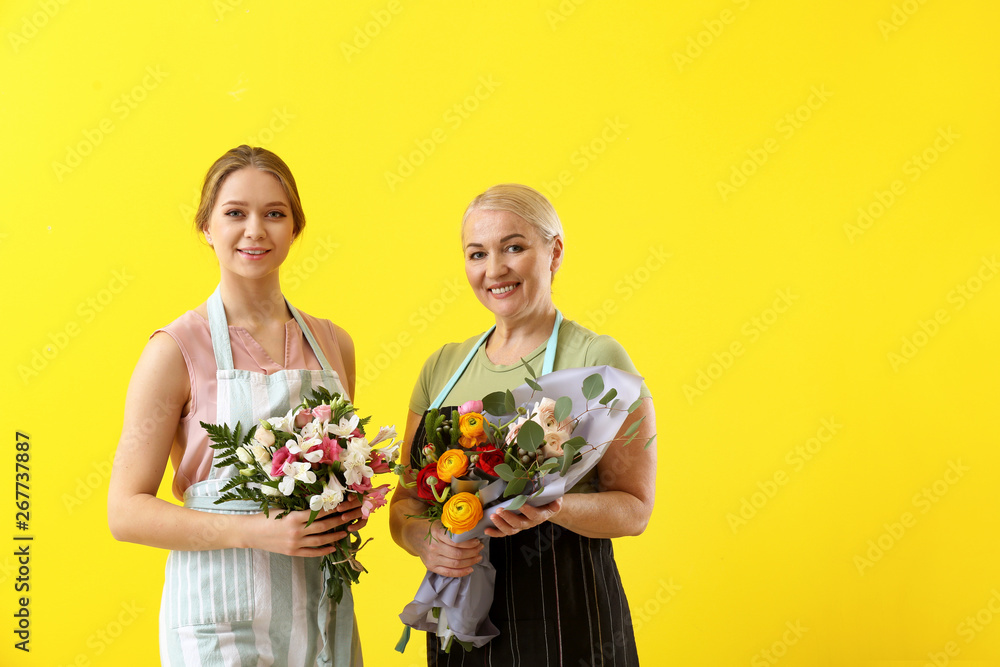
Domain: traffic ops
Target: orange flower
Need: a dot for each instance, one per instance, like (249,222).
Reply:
(461,513)
(471,426)
(453,463)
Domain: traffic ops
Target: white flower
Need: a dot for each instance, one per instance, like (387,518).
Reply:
(244,455)
(356,467)
(287,485)
(344,428)
(312,430)
(359,445)
(384,433)
(315,455)
(261,454)
(264,436)
(333,495)
(269,490)
(301,471)
(282,423)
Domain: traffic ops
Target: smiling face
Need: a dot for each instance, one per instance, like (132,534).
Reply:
(250,226)
(509,265)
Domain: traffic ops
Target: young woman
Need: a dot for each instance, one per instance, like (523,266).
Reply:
(240,588)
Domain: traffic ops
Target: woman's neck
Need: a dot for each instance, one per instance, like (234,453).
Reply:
(515,339)
(254,305)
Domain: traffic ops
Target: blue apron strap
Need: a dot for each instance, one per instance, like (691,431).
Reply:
(219,328)
(547,365)
(550,347)
(461,369)
(324,364)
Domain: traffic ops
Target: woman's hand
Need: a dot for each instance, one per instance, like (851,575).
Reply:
(510,523)
(442,555)
(291,536)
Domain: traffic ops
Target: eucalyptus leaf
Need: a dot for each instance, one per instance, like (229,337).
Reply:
(530,437)
(608,396)
(517,503)
(649,442)
(515,487)
(531,383)
(593,385)
(494,404)
(633,427)
(569,453)
(509,403)
(531,371)
(504,472)
(635,406)
(564,407)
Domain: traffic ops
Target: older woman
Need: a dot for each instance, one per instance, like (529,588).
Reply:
(558,596)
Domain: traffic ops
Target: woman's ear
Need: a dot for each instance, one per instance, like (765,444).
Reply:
(557,254)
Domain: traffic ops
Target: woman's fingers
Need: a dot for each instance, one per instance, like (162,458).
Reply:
(510,523)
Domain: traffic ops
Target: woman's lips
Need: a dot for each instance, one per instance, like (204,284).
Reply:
(504,291)
(253,253)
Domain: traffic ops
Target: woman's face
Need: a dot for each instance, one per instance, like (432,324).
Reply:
(251,226)
(509,265)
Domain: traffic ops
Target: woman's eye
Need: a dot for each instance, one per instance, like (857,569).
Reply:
(275,214)
(234,213)
(477,255)
(514,248)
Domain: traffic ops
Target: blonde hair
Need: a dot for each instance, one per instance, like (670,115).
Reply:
(528,203)
(239,158)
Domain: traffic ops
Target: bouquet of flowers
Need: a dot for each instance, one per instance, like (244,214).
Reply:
(314,458)
(530,445)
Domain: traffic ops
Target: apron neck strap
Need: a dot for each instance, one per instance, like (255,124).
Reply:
(219,327)
(547,365)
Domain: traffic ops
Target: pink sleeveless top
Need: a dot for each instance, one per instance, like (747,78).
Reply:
(191,454)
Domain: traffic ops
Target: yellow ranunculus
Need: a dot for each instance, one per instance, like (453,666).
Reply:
(453,463)
(461,513)
(471,426)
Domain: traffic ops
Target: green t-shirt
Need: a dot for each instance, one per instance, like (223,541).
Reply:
(577,348)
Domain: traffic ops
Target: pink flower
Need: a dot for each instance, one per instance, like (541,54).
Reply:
(331,450)
(470,406)
(379,464)
(280,458)
(364,485)
(322,412)
(373,500)
(303,417)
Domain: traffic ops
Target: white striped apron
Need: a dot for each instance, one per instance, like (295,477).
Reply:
(248,607)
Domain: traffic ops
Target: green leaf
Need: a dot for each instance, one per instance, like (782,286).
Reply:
(530,437)
(504,472)
(593,385)
(608,396)
(531,371)
(635,406)
(534,385)
(564,407)
(649,442)
(514,487)
(495,404)
(633,427)
(612,404)
(570,449)
(509,403)
(517,503)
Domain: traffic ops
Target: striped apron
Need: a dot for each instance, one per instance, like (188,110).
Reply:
(248,607)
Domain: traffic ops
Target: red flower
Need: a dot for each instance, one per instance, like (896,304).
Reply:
(423,485)
(489,458)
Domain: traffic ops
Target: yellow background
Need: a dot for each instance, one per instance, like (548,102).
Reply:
(630,115)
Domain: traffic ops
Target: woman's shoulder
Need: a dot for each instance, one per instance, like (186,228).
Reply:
(319,326)
(595,348)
